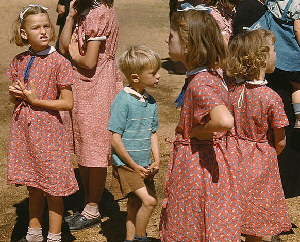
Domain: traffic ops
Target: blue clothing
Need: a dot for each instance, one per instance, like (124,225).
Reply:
(286,47)
(135,121)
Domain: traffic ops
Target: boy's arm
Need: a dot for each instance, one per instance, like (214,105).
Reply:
(297,30)
(154,167)
(121,151)
(279,139)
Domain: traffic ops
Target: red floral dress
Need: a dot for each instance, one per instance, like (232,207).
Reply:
(38,154)
(96,89)
(258,110)
(201,197)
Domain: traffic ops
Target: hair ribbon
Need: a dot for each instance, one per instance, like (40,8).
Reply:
(29,7)
(188,6)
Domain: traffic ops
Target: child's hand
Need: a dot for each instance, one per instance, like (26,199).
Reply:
(74,49)
(18,90)
(72,11)
(60,9)
(143,172)
(153,169)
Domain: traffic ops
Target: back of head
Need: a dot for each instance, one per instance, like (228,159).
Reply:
(200,35)
(81,5)
(248,53)
(136,58)
(20,23)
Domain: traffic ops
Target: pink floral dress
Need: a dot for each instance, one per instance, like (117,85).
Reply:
(201,196)
(96,89)
(257,110)
(38,154)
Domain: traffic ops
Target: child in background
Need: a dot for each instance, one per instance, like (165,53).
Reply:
(92,47)
(133,123)
(201,197)
(260,134)
(38,156)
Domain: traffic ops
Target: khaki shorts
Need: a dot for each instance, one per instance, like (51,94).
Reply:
(126,181)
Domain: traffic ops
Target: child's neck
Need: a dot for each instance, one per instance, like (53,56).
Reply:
(137,88)
(262,75)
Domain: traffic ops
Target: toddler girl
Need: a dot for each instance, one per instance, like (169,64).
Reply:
(201,200)
(38,156)
(259,132)
(92,47)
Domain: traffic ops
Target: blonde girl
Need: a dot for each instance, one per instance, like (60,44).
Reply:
(259,134)
(38,156)
(201,200)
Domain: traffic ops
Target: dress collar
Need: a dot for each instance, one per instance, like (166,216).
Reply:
(196,71)
(47,51)
(141,97)
(252,82)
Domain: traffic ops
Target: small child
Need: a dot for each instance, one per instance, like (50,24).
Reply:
(38,154)
(201,197)
(134,122)
(260,123)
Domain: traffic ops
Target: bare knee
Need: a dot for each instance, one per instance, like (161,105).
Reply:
(149,201)
(33,192)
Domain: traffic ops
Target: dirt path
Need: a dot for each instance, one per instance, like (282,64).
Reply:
(141,22)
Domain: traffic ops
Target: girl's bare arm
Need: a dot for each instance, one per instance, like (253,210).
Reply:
(297,30)
(279,139)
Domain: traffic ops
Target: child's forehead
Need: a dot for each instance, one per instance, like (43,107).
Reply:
(37,18)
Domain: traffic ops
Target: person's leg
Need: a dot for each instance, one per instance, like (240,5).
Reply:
(133,205)
(252,238)
(296,102)
(84,176)
(56,208)
(36,211)
(144,213)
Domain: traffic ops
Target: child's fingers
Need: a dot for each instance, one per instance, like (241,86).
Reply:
(21,85)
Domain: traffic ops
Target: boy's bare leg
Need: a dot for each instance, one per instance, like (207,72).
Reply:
(133,205)
(145,211)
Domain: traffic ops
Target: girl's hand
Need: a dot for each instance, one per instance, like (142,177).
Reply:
(19,91)
(60,9)
(72,11)
(143,172)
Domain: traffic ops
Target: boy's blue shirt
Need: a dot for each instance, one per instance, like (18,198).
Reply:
(135,121)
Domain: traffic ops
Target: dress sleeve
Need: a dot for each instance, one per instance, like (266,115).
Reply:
(205,98)
(97,24)
(155,120)
(276,113)
(118,117)
(66,74)
(12,71)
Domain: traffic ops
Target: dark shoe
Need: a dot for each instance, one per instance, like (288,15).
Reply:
(80,222)
(23,239)
(140,239)
(71,216)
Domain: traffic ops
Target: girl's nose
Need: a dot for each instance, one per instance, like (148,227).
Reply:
(43,31)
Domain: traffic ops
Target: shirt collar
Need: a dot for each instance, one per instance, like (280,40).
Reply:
(141,97)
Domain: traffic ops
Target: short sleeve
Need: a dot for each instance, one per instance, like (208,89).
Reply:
(205,98)
(12,71)
(276,113)
(66,74)
(295,9)
(97,24)
(118,117)
(155,120)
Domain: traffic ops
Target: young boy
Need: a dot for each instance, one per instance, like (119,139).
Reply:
(133,123)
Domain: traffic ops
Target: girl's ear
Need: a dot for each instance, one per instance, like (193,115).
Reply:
(23,34)
(135,78)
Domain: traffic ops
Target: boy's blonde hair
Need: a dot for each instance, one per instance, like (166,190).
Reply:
(248,53)
(21,21)
(200,34)
(136,58)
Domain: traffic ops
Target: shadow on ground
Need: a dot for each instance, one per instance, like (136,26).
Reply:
(110,209)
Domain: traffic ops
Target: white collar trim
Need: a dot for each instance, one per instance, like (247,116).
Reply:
(140,97)
(47,51)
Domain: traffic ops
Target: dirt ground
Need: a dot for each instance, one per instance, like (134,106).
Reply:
(141,22)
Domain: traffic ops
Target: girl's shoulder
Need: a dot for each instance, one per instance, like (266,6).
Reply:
(206,78)
(21,56)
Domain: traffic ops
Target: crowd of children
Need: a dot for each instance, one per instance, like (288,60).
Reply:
(222,179)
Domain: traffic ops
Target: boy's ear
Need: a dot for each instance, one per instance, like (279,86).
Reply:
(135,77)
(23,34)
